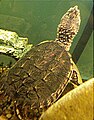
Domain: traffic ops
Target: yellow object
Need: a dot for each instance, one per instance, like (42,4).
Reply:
(75,105)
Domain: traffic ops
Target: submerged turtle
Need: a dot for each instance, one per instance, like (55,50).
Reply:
(39,78)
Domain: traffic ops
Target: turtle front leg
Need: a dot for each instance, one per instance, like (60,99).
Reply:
(75,77)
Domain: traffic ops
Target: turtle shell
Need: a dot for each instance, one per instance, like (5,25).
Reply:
(37,80)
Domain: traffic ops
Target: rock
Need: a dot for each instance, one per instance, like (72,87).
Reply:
(75,105)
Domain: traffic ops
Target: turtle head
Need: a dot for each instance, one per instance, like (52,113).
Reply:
(68,27)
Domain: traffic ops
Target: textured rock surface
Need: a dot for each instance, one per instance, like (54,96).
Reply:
(76,105)
(13,45)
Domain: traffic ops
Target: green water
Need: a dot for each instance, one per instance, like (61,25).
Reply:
(38,20)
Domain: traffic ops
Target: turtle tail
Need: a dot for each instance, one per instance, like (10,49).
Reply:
(68,27)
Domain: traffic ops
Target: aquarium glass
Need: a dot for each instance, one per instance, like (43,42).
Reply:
(38,20)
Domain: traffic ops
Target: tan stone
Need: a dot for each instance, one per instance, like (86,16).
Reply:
(75,105)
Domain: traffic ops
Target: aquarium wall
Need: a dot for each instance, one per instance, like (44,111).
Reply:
(37,20)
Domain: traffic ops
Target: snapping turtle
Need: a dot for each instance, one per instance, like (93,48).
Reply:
(39,78)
